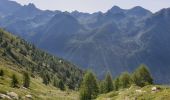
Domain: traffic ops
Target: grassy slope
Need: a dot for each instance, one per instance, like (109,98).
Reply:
(36,61)
(38,90)
(132,94)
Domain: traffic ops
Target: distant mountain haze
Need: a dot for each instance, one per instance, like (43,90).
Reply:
(117,40)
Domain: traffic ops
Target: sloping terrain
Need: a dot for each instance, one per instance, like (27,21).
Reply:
(36,91)
(137,93)
(37,62)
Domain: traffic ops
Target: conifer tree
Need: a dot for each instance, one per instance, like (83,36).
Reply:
(108,83)
(61,85)
(102,87)
(142,76)
(1,72)
(55,82)
(14,82)
(89,87)
(116,84)
(125,80)
(26,80)
(46,78)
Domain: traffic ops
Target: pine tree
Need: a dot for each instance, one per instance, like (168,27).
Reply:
(116,84)
(125,80)
(46,78)
(55,82)
(26,80)
(102,87)
(108,83)
(89,87)
(1,72)
(14,82)
(142,76)
(61,85)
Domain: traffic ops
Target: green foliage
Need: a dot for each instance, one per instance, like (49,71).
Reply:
(142,76)
(55,82)
(37,89)
(102,87)
(34,60)
(108,83)
(144,93)
(125,80)
(116,84)
(14,81)
(26,80)
(89,87)
(46,78)
(61,85)
(1,72)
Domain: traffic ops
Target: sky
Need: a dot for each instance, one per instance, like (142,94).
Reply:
(91,6)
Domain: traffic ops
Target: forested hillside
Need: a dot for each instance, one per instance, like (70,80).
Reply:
(27,57)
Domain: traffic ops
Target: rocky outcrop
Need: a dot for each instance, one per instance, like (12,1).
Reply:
(29,96)
(13,95)
(6,97)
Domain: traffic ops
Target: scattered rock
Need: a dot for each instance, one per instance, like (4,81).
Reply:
(24,88)
(140,91)
(126,98)
(13,95)
(155,89)
(60,61)
(28,96)
(3,96)
(108,99)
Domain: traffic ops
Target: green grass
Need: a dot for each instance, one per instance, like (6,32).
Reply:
(132,94)
(38,90)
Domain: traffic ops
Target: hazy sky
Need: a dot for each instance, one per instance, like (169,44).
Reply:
(96,5)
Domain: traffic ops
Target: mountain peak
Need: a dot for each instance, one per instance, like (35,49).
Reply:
(139,11)
(139,8)
(163,13)
(31,5)
(115,9)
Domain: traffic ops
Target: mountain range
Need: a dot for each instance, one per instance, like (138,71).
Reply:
(117,40)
